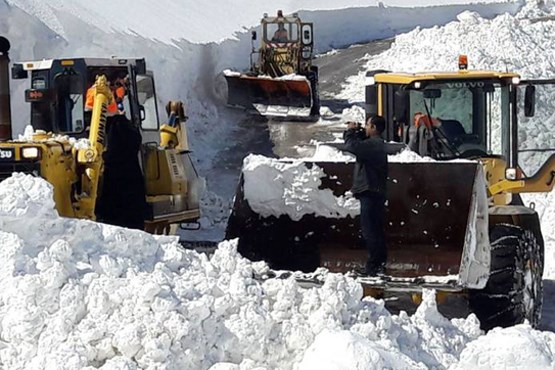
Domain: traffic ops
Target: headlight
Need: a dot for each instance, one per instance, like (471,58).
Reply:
(515,80)
(30,152)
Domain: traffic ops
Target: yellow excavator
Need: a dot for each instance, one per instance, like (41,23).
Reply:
(455,222)
(281,82)
(120,168)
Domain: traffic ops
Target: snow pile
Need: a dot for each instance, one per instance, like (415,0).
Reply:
(519,347)
(523,46)
(78,294)
(274,187)
(292,186)
(25,196)
(328,153)
(29,136)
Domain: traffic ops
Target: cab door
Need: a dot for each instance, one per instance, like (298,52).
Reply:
(533,140)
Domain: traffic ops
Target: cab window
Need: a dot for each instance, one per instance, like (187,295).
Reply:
(281,32)
(147,101)
(69,105)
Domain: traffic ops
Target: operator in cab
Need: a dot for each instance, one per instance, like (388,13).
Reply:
(118,88)
(281,34)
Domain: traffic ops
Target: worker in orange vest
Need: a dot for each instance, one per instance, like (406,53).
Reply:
(116,105)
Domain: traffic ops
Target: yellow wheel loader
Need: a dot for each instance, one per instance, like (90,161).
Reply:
(455,223)
(281,82)
(115,166)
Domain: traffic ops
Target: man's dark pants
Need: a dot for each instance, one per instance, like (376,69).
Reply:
(372,214)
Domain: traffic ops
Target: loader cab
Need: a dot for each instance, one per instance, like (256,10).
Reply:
(445,115)
(58,92)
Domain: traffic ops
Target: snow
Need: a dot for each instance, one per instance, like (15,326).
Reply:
(345,350)
(78,294)
(519,347)
(45,137)
(182,20)
(275,187)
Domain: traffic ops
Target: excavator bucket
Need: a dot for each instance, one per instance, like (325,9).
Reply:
(270,96)
(299,216)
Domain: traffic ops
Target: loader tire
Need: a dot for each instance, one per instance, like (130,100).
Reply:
(514,291)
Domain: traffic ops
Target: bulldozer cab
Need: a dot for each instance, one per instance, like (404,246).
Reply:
(286,45)
(58,92)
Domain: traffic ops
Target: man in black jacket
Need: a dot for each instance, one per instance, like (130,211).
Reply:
(369,186)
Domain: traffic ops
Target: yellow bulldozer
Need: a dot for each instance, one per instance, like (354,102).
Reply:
(120,168)
(455,222)
(281,82)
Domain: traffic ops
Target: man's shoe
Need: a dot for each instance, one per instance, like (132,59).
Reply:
(377,271)
(359,271)
(372,271)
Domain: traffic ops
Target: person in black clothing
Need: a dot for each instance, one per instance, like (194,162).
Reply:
(369,186)
(122,198)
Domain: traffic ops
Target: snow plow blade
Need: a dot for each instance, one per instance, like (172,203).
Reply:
(270,96)
(436,219)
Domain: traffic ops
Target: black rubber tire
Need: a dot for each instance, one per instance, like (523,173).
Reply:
(514,291)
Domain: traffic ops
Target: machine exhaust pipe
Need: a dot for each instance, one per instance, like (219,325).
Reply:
(5,111)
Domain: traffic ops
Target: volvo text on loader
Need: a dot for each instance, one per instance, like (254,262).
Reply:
(128,171)
(281,82)
(460,226)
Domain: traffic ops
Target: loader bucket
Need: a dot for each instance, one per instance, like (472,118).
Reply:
(270,96)
(434,218)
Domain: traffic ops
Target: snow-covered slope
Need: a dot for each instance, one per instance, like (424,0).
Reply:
(76,294)
(168,21)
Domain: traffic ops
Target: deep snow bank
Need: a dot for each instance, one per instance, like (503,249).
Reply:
(188,19)
(78,294)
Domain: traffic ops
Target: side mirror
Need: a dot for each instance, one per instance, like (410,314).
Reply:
(253,35)
(371,101)
(530,101)
(401,101)
(141,66)
(432,93)
(18,73)
(4,45)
